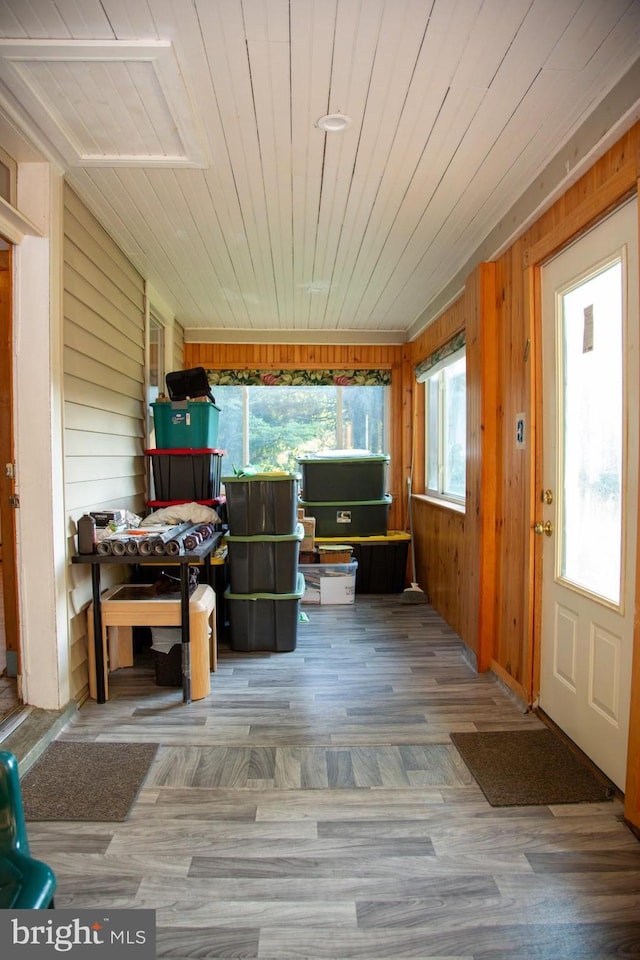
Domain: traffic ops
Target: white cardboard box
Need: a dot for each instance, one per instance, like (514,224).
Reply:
(329,583)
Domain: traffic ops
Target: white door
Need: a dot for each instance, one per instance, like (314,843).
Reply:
(588,505)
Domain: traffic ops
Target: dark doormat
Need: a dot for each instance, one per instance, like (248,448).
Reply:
(86,781)
(518,768)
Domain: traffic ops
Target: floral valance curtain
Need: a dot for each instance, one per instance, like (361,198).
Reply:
(299,378)
(425,367)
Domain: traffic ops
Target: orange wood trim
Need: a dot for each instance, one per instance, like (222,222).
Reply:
(7,455)
(593,207)
(632,791)
(508,680)
(486,304)
(533,552)
(243,356)
(533,285)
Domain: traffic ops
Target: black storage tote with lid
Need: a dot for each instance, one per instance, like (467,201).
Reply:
(259,503)
(333,475)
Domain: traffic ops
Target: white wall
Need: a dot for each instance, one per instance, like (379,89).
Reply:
(41,555)
(104,428)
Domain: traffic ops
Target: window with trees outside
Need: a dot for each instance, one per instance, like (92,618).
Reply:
(155,372)
(269,424)
(446,427)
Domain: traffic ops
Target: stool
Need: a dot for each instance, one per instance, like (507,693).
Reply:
(154,611)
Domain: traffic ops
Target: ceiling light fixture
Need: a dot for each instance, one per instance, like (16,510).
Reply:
(334,122)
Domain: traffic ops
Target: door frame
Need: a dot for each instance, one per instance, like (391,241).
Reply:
(7,483)
(534,257)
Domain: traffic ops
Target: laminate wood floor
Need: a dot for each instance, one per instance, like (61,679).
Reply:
(314,807)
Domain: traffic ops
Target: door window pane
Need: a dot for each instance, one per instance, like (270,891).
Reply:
(592,434)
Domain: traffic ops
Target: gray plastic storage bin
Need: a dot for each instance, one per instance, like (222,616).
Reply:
(264,621)
(357,518)
(343,477)
(262,503)
(266,563)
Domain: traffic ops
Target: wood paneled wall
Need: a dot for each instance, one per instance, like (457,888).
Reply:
(608,183)
(240,356)
(455,549)
(480,569)
(104,396)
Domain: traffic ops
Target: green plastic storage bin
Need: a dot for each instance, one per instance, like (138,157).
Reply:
(266,563)
(264,621)
(262,503)
(355,518)
(185,424)
(342,477)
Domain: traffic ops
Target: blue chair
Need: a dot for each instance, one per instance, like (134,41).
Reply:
(25,883)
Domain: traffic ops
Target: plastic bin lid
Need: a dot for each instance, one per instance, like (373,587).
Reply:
(378,539)
(189,383)
(184,451)
(329,569)
(338,456)
(273,475)
(268,537)
(344,503)
(300,589)
(217,501)
(169,404)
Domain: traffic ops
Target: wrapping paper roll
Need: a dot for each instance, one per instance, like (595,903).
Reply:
(145,547)
(172,542)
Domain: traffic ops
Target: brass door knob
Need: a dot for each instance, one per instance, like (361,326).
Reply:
(541,528)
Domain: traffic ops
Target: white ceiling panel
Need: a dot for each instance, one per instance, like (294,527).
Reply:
(119,102)
(190,129)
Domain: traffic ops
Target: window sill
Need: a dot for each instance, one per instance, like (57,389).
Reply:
(442,504)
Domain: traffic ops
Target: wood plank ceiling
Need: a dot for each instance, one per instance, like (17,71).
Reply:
(190,128)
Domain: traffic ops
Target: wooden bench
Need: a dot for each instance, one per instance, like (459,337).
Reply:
(124,613)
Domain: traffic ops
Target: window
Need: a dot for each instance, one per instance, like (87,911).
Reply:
(8,177)
(155,381)
(269,426)
(446,427)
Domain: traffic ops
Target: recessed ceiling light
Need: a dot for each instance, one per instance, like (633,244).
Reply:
(334,122)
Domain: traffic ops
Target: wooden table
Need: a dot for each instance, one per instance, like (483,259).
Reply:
(201,555)
(130,605)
